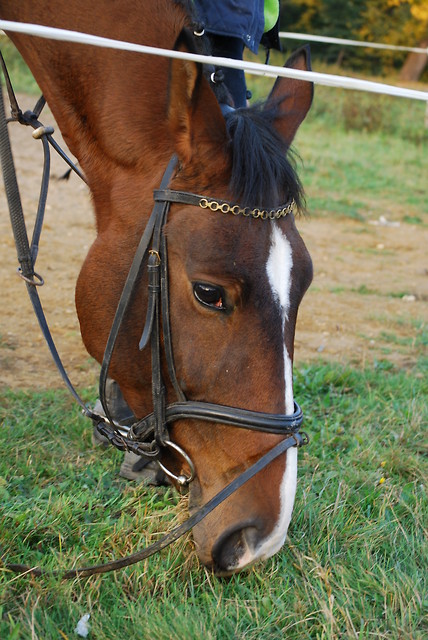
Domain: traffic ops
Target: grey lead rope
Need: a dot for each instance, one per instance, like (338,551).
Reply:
(24,251)
(13,198)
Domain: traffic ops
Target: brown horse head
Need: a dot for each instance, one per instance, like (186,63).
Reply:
(235,281)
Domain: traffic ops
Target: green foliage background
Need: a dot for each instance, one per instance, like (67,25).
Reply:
(395,22)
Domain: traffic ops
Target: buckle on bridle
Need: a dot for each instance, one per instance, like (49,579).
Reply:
(301,438)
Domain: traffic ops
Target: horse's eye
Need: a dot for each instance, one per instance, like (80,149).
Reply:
(209,295)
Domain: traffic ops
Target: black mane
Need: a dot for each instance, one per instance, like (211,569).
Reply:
(262,174)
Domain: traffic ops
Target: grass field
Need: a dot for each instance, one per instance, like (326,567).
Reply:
(354,564)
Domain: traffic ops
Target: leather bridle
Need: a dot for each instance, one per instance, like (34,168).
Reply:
(149,436)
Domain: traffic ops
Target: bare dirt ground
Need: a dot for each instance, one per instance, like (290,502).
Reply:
(368,300)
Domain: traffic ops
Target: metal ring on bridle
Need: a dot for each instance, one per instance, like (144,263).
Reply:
(35,283)
(181,479)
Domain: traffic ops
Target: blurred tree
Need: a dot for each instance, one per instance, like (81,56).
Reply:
(397,22)
(416,62)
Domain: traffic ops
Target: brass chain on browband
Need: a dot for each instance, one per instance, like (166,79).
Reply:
(223,206)
(236,209)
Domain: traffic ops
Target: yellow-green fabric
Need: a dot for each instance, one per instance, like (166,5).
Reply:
(271,14)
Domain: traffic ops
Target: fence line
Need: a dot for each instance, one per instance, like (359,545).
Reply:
(254,68)
(354,43)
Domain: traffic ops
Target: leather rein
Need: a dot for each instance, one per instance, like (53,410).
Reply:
(149,436)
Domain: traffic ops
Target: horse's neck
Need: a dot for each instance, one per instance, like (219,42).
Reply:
(110,105)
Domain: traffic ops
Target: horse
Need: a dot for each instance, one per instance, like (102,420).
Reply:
(237,266)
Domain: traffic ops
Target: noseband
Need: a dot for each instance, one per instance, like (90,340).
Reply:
(149,436)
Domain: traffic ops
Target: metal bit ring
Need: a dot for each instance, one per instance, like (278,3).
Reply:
(182,480)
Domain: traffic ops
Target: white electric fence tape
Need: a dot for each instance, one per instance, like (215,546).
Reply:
(249,67)
(291,35)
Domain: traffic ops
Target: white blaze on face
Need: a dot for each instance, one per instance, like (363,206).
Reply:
(278,268)
(279,265)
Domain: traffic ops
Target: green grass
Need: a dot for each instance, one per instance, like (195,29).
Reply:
(362,175)
(22,80)
(362,154)
(352,566)
(356,111)
(408,337)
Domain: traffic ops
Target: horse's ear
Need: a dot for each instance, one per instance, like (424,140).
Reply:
(194,116)
(184,76)
(292,98)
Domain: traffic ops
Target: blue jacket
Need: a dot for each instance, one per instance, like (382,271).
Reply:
(234,18)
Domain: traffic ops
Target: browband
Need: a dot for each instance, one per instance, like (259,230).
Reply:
(184,197)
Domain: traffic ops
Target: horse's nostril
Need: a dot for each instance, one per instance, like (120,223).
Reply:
(234,549)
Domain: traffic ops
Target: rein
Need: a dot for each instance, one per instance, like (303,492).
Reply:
(175,534)
(149,436)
